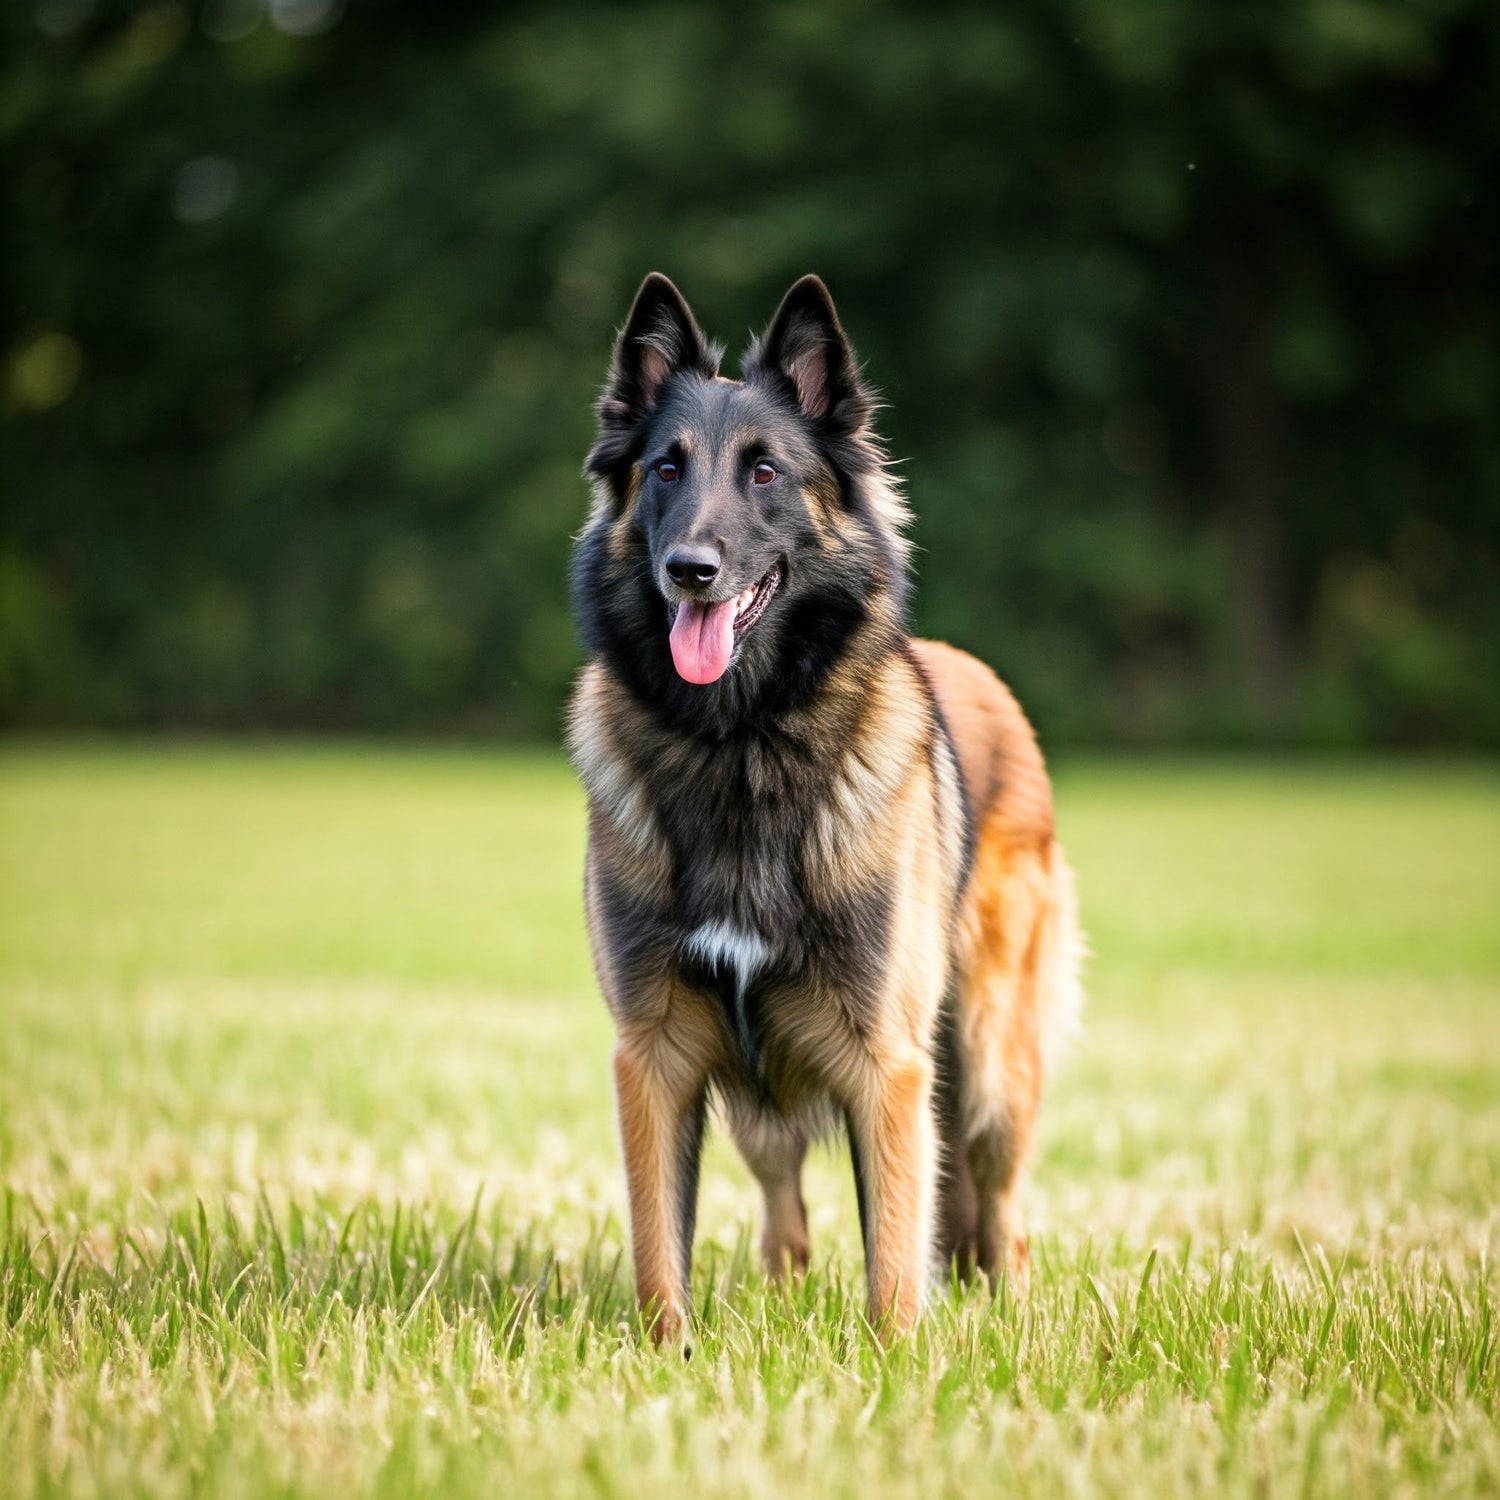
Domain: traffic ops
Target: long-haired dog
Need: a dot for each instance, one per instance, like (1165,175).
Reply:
(822,880)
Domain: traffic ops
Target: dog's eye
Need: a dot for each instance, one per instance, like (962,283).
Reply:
(666,471)
(763,473)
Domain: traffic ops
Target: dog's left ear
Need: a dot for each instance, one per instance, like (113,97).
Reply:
(806,348)
(660,338)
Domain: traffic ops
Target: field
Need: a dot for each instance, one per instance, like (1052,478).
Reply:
(311,1187)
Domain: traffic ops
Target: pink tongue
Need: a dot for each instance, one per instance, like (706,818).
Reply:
(703,640)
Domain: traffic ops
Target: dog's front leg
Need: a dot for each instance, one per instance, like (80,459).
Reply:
(894,1141)
(661,1091)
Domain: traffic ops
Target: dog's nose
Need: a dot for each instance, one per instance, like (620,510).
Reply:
(693,567)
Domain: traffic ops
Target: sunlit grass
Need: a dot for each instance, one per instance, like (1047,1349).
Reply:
(311,1185)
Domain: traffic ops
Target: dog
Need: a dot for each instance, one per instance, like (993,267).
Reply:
(822,883)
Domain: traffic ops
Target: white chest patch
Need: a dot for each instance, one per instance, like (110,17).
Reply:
(722,945)
(734,950)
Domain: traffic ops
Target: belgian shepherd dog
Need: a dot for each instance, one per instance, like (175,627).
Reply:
(822,883)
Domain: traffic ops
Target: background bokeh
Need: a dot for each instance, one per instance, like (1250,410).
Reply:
(1184,312)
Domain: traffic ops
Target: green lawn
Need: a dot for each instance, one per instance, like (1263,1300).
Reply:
(311,1185)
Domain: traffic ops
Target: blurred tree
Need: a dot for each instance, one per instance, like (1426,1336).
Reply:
(1185,314)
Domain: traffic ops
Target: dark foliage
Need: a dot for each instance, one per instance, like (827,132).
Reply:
(1184,314)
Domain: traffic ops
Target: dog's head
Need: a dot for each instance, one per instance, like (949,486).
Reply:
(742,530)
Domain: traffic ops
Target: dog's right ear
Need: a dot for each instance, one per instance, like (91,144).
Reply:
(807,353)
(660,337)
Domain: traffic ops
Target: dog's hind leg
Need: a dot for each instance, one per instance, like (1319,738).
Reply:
(999,1019)
(957,1229)
(958,1216)
(997,1158)
(774,1150)
(1032,975)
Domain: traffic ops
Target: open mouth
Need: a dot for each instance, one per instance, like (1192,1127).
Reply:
(704,635)
(751,605)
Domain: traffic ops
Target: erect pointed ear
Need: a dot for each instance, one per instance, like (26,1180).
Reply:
(660,337)
(806,348)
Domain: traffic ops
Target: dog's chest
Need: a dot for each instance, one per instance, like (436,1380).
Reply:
(750,921)
(736,830)
(730,962)
(736,952)
(741,919)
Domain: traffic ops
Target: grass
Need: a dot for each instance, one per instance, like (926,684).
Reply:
(310,1184)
